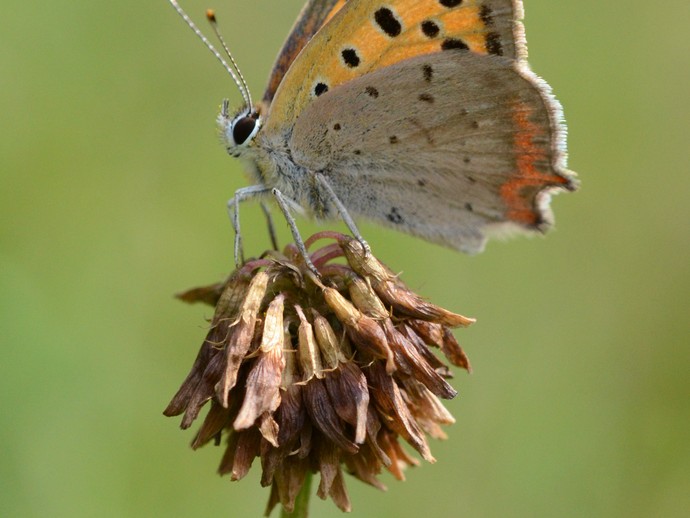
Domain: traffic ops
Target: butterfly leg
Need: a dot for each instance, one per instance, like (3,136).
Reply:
(234,212)
(271,226)
(344,214)
(284,204)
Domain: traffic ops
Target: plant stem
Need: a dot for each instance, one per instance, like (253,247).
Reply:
(302,503)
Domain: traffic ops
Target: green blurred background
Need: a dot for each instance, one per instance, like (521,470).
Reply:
(112,199)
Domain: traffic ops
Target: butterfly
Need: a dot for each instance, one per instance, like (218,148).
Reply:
(421,115)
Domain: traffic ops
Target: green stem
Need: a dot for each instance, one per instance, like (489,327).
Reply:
(302,502)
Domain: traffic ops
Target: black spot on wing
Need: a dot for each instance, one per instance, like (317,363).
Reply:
(388,22)
(320,89)
(486,14)
(428,73)
(372,92)
(469,207)
(350,57)
(337,126)
(454,43)
(493,44)
(394,216)
(430,28)
(393,139)
(450,3)
(427,98)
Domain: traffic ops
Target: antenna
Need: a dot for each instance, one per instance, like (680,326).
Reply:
(211,17)
(241,85)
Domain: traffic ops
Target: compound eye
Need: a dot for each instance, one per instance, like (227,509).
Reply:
(242,129)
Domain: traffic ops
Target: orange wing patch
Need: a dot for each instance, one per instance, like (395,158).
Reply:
(368,35)
(313,16)
(534,171)
(339,4)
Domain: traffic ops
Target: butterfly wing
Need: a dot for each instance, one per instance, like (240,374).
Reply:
(314,14)
(367,35)
(411,105)
(446,146)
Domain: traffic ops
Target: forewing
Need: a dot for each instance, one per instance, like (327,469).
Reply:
(314,14)
(444,146)
(367,35)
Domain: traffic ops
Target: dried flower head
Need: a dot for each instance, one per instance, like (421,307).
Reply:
(319,374)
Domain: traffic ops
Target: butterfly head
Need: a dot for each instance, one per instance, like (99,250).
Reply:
(238,130)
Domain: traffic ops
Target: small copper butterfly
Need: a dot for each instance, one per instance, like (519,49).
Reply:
(421,115)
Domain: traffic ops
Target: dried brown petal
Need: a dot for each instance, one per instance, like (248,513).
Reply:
(394,292)
(418,367)
(309,356)
(338,493)
(242,448)
(263,383)
(242,334)
(363,330)
(438,336)
(349,394)
(329,345)
(426,408)
(365,466)
(269,429)
(400,459)
(373,429)
(181,399)
(217,418)
(323,415)
(329,466)
(205,294)
(290,374)
(452,350)
(203,391)
(290,417)
(386,394)
(416,341)
(289,481)
(365,299)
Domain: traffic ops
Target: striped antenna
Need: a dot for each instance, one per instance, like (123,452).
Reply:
(241,85)
(211,17)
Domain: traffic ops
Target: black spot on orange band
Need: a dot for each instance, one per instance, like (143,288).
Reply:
(450,3)
(486,15)
(454,43)
(493,44)
(430,29)
(350,57)
(387,21)
(320,88)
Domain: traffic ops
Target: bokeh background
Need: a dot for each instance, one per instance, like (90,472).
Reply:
(112,196)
